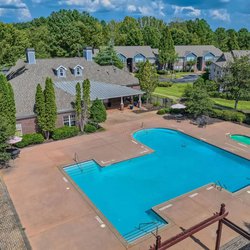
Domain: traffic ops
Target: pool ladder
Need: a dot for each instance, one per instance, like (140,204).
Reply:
(77,162)
(219,185)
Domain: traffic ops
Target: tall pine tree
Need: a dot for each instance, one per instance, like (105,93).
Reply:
(50,108)
(78,106)
(86,100)
(40,108)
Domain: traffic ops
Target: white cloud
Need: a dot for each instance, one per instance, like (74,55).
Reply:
(220,14)
(189,11)
(146,7)
(15,7)
(131,8)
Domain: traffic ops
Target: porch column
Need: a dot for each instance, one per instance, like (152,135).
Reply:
(122,104)
(139,102)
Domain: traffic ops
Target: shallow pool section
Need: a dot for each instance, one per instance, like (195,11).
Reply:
(241,138)
(126,191)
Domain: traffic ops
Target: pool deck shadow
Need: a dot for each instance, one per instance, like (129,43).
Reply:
(56,216)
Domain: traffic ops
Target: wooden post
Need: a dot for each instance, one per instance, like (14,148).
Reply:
(139,102)
(219,229)
(158,242)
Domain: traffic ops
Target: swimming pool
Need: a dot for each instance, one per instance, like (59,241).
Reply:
(241,138)
(126,191)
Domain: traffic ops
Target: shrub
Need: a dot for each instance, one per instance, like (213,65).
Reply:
(163,111)
(89,128)
(30,139)
(228,115)
(98,111)
(162,72)
(165,84)
(65,132)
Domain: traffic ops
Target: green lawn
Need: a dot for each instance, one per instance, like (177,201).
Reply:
(174,92)
(242,105)
(176,75)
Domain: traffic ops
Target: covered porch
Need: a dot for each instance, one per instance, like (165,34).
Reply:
(112,95)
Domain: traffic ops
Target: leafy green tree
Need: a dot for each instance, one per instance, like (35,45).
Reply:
(190,64)
(180,37)
(221,39)
(4,136)
(198,102)
(40,108)
(78,106)
(166,49)
(86,100)
(7,104)
(244,39)
(237,79)
(232,42)
(108,56)
(98,111)
(50,108)
(151,36)
(148,79)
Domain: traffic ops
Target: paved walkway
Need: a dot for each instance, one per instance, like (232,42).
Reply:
(57,216)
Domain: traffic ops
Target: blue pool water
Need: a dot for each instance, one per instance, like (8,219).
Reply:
(125,192)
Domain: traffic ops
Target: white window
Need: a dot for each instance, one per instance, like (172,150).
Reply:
(61,72)
(78,71)
(69,120)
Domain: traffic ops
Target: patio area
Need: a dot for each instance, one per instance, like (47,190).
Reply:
(56,216)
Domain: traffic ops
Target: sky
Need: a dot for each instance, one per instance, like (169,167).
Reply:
(218,13)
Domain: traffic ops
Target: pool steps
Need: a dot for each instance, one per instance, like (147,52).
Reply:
(89,168)
(143,230)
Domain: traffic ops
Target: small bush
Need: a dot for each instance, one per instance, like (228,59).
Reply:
(228,115)
(163,111)
(98,111)
(65,132)
(30,139)
(165,84)
(89,128)
(162,72)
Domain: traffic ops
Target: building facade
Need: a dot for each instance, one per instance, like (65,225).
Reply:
(108,83)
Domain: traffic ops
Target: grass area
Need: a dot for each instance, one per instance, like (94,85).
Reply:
(174,92)
(242,105)
(176,75)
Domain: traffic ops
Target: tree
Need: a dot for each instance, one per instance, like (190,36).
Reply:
(4,135)
(78,106)
(244,39)
(7,104)
(40,108)
(166,48)
(190,64)
(108,56)
(50,108)
(237,79)
(148,78)
(232,42)
(221,39)
(86,100)
(198,102)
(98,111)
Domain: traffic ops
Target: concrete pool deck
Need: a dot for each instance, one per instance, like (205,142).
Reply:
(56,216)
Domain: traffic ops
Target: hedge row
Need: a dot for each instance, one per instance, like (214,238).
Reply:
(228,115)
(163,111)
(165,84)
(30,139)
(65,132)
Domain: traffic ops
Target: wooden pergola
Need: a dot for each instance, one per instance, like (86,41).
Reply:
(217,217)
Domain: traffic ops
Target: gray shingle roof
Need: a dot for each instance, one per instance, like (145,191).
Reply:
(240,53)
(198,50)
(25,77)
(100,90)
(132,51)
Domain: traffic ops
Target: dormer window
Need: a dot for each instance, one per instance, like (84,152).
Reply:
(61,71)
(78,69)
